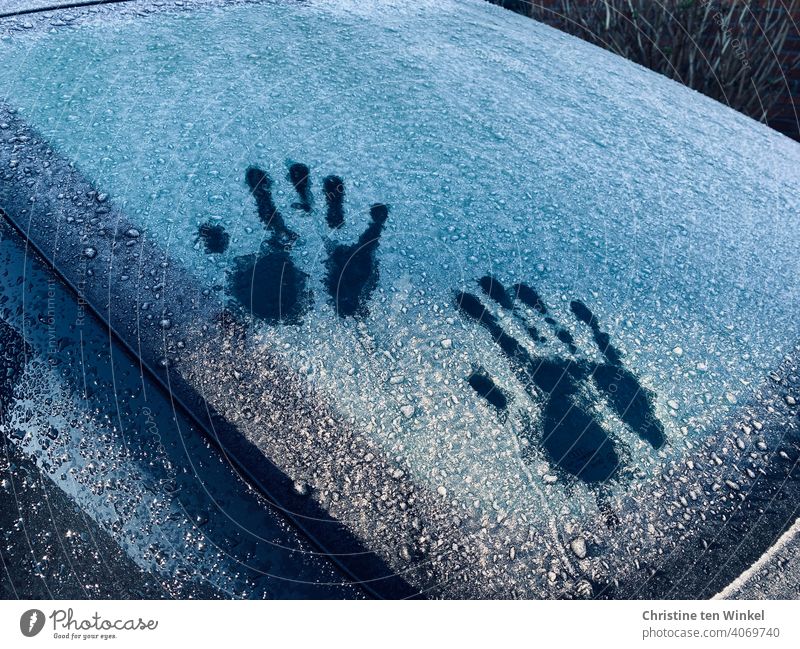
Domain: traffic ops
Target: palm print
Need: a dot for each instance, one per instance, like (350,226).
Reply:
(269,285)
(569,430)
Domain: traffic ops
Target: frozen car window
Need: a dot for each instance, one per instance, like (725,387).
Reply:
(494,299)
(106,490)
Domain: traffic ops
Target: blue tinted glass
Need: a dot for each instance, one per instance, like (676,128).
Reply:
(535,278)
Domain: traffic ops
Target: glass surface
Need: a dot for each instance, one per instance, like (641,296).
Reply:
(138,504)
(534,275)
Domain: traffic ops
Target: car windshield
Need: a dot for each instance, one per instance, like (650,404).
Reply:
(500,303)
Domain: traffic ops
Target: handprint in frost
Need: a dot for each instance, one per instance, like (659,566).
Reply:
(567,385)
(269,284)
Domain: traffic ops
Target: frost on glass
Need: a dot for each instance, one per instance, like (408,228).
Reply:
(535,277)
(147,508)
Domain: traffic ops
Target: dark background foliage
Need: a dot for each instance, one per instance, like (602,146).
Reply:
(744,53)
